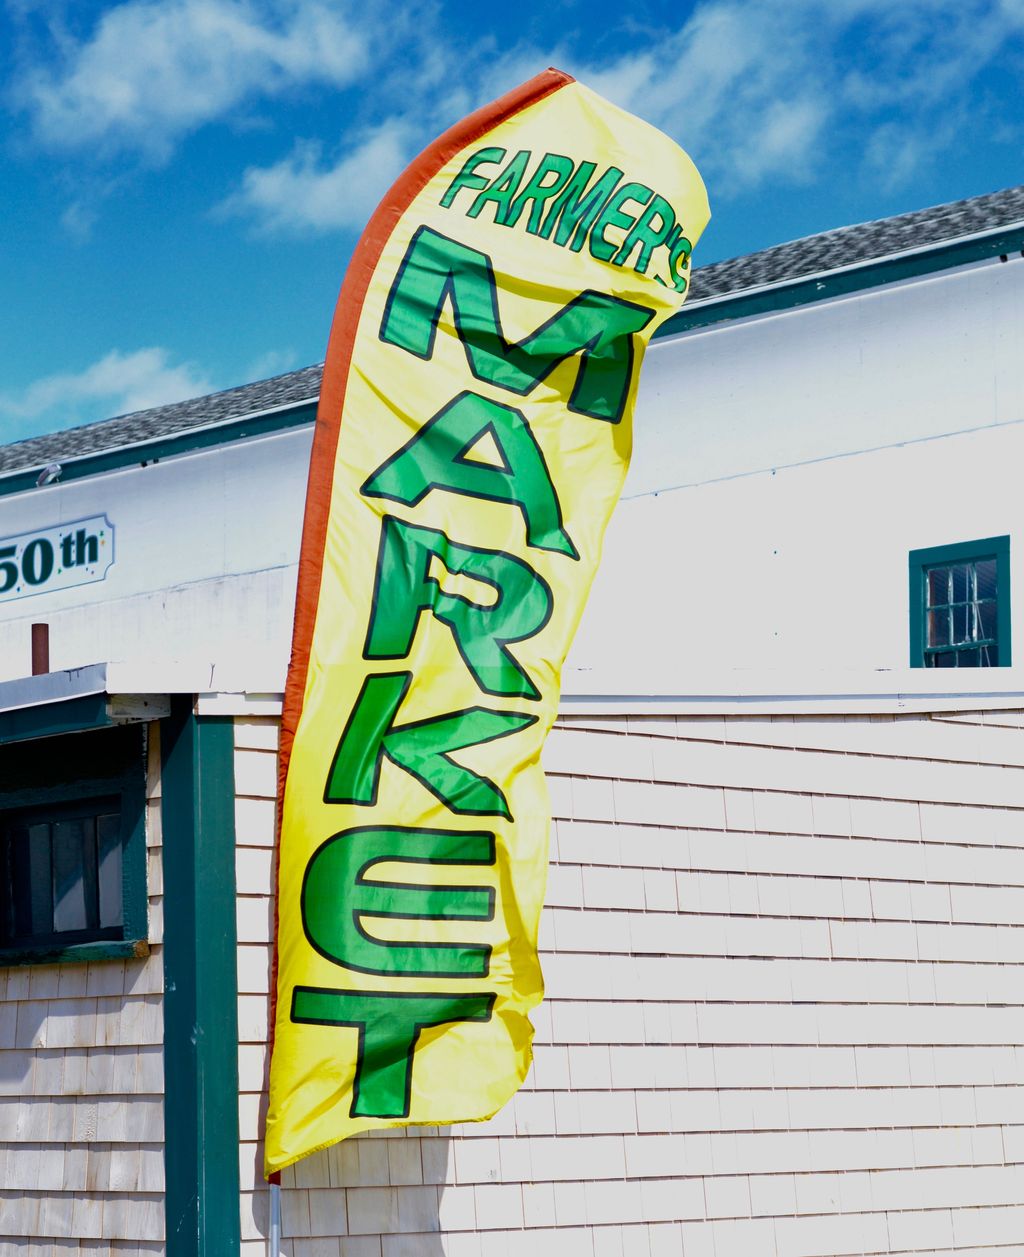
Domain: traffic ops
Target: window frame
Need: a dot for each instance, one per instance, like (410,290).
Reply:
(130,788)
(920,561)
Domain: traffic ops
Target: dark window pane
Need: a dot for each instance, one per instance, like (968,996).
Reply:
(986,574)
(961,582)
(18,915)
(942,659)
(108,842)
(960,618)
(42,899)
(990,656)
(29,862)
(73,853)
(987,619)
(969,659)
(938,628)
(938,582)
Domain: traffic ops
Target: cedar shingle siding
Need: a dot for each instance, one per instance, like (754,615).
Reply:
(81,1094)
(783,1015)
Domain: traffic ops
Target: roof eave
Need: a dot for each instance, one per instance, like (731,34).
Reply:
(843,281)
(190,440)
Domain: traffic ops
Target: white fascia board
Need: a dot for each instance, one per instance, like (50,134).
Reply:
(50,688)
(240,681)
(254,687)
(251,705)
(782,704)
(625,705)
(763,692)
(239,675)
(740,693)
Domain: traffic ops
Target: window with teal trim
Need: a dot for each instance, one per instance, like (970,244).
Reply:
(72,846)
(960,605)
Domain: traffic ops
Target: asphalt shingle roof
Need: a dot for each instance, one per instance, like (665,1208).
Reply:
(864,242)
(811,255)
(160,421)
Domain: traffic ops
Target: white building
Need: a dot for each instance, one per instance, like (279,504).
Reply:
(783,941)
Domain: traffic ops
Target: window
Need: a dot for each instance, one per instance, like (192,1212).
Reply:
(72,846)
(960,605)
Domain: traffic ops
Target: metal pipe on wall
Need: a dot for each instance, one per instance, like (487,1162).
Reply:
(40,649)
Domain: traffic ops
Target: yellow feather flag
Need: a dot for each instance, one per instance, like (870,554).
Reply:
(472,438)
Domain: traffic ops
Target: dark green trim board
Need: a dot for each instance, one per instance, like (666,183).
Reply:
(76,954)
(200,985)
(90,711)
(841,283)
(166,447)
(919,562)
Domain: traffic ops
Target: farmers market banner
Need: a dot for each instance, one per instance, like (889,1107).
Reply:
(472,438)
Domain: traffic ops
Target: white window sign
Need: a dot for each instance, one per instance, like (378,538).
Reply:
(55,558)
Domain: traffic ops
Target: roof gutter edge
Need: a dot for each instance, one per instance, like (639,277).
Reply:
(843,281)
(152,449)
(53,687)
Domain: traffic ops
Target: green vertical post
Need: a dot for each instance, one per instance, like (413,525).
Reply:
(200,985)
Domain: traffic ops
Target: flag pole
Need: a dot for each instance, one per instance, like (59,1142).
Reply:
(274,1238)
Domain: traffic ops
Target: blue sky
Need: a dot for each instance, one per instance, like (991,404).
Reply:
(182,181)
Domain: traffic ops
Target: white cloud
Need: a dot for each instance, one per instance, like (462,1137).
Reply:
(758,92)
(273,362)
(117,384)
(731,84)
(302,193)
(783,139)
(154,70)
(78,219)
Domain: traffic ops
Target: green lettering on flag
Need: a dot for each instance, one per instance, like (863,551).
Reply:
(597,326)
(404,589)
(389,1025)
(422,748)
(338,897)
(440,456)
